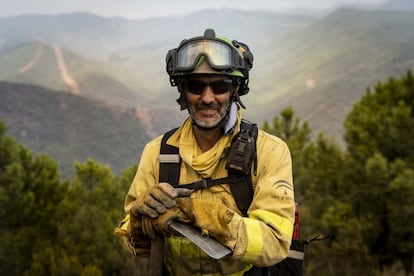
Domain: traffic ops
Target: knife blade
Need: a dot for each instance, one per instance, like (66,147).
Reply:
(208,244)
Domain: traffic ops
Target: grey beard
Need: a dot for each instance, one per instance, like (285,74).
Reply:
(220,122)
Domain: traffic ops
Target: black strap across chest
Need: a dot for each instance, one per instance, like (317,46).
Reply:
(240,183)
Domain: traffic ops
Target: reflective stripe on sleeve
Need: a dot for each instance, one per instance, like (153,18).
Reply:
(254,246)
(277,222)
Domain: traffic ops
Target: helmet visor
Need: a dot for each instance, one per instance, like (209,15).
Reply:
(218,54)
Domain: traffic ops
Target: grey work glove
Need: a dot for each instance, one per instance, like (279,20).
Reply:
(212,218)
(161,225)
(157,200)
(152,204)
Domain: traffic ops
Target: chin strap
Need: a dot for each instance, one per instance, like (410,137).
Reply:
(237,96)
(232,119)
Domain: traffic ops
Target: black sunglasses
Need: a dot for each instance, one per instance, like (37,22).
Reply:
(218,87)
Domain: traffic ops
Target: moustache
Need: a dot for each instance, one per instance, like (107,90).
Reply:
(209,106)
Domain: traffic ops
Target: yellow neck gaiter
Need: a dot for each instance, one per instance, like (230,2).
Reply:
(204,163)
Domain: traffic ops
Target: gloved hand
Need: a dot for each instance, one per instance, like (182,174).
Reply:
(160,225)
(212,217)
(151,204)
(136,237)
(157,200)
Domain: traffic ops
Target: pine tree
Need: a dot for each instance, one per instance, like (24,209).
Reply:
(30,194)
(380,140)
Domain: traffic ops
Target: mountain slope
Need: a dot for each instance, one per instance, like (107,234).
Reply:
(319,66)
(59,70)
(71,128)
(323,69)
(53,67)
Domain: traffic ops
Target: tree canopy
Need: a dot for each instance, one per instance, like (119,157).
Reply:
(363,195)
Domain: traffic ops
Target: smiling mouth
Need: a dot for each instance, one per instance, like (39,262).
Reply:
(208,112)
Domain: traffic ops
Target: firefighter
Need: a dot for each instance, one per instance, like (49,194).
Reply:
(211,73)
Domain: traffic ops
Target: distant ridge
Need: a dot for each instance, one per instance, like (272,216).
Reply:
(320,66)
(38,62)
(71,128)
(403,5)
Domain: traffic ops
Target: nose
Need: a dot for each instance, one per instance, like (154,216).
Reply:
(208,95)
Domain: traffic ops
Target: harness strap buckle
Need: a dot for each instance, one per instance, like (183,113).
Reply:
(202,184)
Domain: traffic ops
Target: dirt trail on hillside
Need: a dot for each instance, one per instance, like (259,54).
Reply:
(34,60)
(66,77)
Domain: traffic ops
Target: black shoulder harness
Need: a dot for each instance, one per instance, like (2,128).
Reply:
(240,158)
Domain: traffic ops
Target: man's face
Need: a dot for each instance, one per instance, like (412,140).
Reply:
(208,97)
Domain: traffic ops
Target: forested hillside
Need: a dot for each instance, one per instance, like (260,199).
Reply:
(322,69)
(50,227)
(72,128)
(362,196)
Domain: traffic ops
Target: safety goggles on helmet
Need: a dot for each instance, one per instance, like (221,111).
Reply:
(197,87)
(221,54)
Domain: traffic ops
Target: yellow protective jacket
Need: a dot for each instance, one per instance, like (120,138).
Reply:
(262,239)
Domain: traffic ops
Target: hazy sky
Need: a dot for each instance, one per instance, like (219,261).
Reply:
(137,9)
